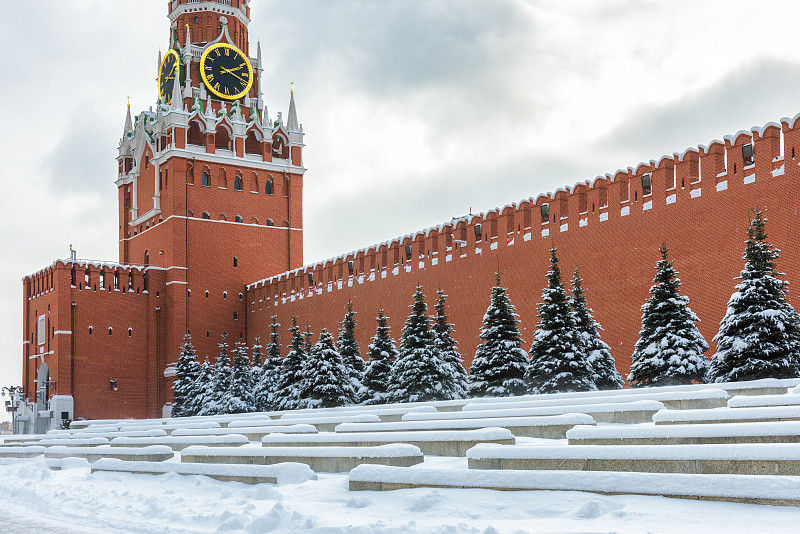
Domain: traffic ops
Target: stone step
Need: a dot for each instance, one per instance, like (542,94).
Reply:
(627,412)
(66,442)
(438,443)
(678,400)
(718,433)
(728,415)
(249,474)
(748,401)
(549,427)
(750,489)
(255,433)
(319,459)
(152,453)
(386,412)
(178,443)
(322,424)
(745,459)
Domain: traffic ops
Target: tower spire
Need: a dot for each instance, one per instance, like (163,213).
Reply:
(128,120)
(292,124)
(177,94)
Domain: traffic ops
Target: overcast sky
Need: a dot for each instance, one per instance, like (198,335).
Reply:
(415,111)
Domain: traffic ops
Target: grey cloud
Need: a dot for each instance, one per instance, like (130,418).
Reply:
(734,103)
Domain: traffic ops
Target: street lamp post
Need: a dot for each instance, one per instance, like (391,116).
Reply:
(15,393)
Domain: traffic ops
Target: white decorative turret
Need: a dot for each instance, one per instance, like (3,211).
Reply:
(128,122)
(292,125)
(259,71)
(177,96)
(187,54)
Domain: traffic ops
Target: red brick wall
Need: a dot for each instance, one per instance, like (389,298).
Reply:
(704,227)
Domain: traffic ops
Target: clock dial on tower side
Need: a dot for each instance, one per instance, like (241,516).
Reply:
(169,71)
(226,71)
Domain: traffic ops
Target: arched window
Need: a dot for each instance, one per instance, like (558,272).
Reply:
(270,222)
(236,316)
(196,136)
(206,215)
(252,145)
(110,330)
(286,186)
(206,179)
(223,179)
(90,330)
(130,332)
(222,138)
(237,183)
(238,219)
(269,188)
(146,257)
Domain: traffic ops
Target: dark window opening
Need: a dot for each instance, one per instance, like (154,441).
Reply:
(408,252)
(237,183)
(90,330)
(270,222)
(238,219)
(206,180)
(130,332)
(647,184)
(235,261)
(110,330)
(206,215)
(236,316)
(478,232)
(269,188)
(748,154)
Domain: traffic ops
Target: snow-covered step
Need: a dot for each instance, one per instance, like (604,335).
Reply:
(168,427)
(678,400)
(749,401)
(550,427)
(67,442)
(386,413)
(439,443)
(30,451)
(153,453)
(322,423)
(178,443)
(728,415)
(750,489)
(252,433)
(280,474)
(740,459)
(320,459)
(769,432)
(624,412)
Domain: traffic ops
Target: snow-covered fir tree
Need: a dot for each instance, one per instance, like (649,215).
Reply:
(204,388)
(558,363)
(598,354)
(218,396)
(418,372)
(382,355)
(265,389)
(759,337)
(498,369)
(351,352)
(670,349)
(288,394)
(256,369)
(308,335)
(325,383)
(241,392)
(184,389)
(456,380)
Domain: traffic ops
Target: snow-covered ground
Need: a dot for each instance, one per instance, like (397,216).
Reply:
(38,500)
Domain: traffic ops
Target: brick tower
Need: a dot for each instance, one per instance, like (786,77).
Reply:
(210,199)
(210,188)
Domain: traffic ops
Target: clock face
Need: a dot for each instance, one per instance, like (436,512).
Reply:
(226,71)
(169,71)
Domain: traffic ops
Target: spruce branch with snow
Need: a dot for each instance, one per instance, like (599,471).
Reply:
(456,382)
(498,369)
(326,383)
(269,376)
(241,392)
(382,355)
(558,362)
(220,390)
(184,389)
(418,372)
(350,351)
(288,393)
(670,349)
(598,354)
(759,337)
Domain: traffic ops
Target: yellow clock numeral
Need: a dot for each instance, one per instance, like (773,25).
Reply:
(216,86)
(210,77)
(227,51)
(227,92)
(219,53)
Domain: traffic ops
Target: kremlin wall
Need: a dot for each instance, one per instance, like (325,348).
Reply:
(698,202)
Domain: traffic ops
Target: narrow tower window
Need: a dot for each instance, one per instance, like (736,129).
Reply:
(206,179)
(269,187)
(237,183)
